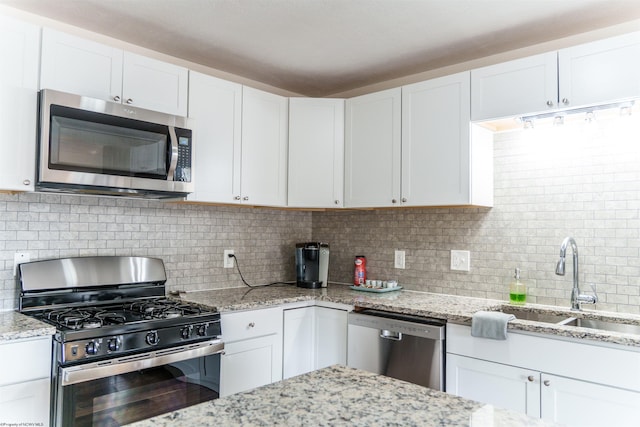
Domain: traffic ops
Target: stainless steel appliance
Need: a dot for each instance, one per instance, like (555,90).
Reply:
(312,265)
(405,347)
(122,351)
(92,146)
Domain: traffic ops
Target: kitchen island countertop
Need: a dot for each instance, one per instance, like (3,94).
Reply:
(452,308)
(339,395)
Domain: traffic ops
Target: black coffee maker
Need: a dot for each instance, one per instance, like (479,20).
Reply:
(312,265)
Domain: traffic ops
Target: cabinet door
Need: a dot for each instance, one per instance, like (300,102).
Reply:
(603,71)
(19,50)
(580,403)
(26,403)
(372,149)
(330,337)
(316,152)
(83,67)
(436,162)
(504,386)
(154,85)
(514,88)
(249,364)
(215,109)
(264,148)
(298,354)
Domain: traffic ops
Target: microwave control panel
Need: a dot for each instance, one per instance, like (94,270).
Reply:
(183,168)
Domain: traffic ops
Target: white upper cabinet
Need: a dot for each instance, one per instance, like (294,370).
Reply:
(79,66)
(600,72)
(514,88)
(84,67)
(439,155)
(215,116)
(316,152)
(373,149)
(593,73)
(19,50)
(154,85)
(264,148)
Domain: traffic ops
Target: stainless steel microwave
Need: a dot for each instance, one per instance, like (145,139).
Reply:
(93,146)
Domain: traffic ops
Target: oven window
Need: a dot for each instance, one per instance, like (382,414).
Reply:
(134,396)
(99,143)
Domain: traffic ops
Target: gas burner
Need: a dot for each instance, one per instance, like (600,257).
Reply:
(163,309)
(92,323)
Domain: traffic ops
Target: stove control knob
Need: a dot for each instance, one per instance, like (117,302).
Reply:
(113,344)
(91,348)
(202,330)
(152,338)
(185,332)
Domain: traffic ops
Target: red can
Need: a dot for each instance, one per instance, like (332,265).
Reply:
(360,271)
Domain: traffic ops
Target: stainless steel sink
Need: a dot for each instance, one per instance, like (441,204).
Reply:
(525,314)
(603,325)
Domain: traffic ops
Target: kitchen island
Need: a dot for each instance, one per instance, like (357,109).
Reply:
(339,395)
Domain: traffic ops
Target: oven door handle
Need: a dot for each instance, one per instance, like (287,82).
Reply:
(92,371)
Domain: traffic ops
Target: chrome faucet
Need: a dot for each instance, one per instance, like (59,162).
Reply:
(576,297)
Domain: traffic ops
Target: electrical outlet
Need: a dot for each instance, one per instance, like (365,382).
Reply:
(399,259)
(19,258)
(228,261)
(460,260)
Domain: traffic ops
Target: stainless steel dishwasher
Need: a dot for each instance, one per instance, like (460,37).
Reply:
(405,347)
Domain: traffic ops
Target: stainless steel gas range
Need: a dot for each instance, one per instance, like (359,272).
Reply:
(122,351)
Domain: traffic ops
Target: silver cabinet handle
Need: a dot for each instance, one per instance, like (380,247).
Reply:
(565,101)
(337,202)
(252,325)
(236,198)
(129,101)
(116,98)
(546,383)
(530,378)
(404,200)
(245,198)
(390,335)
(550,103)
(394,201)
(26,182)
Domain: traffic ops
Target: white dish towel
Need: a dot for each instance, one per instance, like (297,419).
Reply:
(490,324)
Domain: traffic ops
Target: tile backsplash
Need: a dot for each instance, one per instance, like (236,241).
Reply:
(577,180)
(189,238)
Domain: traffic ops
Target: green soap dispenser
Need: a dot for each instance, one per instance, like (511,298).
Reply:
(517,290)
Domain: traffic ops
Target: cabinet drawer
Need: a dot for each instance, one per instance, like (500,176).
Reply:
(25,360)
(242,325)
(25,403)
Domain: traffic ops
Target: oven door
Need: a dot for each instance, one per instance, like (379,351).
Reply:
(128,389)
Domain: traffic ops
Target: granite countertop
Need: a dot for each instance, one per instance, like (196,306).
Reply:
(338,395)
(453,308)
(14,325)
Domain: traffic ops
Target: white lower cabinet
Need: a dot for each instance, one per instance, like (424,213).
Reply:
(25,381)
(253,349)
(569,382)
(314,338)
(581,403)
(505,386)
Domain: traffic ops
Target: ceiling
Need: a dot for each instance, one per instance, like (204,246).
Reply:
(324,47)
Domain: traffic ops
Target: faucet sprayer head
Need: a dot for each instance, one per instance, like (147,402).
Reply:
(560,267)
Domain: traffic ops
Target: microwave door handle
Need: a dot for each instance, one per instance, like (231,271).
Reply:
(173,162)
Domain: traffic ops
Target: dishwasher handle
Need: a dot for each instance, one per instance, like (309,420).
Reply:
(390,335)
